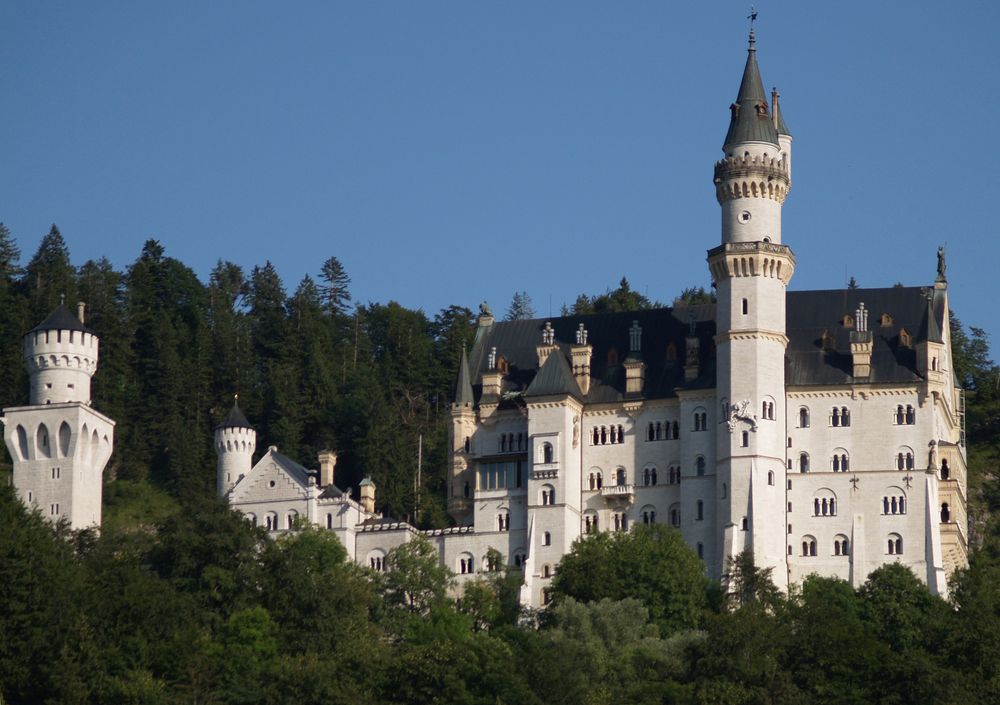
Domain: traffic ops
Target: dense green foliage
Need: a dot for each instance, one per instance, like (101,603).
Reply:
(179,600)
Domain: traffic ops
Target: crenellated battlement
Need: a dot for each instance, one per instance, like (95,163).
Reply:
(752,177)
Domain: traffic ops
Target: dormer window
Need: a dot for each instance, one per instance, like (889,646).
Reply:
(904,338)
(886,320)
(848,321)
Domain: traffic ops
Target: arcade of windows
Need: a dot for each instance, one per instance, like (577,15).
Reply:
(767,410)
(905,416)
(894,505)
(512,443)
(895,545)
(825,507)
(605,435)
(663,431)
(620,521)
(649,476)
(503,520)
(590,524)
(596,480)
(700,421)
(840,417)
(498,476)
(904,460)
(840,462)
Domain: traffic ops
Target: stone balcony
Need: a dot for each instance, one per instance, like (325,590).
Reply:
(619,494)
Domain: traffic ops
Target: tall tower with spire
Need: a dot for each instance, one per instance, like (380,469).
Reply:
(59,443)
(463,425)
(751,269)
(235,443)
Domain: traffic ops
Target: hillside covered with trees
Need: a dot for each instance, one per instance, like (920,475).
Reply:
(179,600)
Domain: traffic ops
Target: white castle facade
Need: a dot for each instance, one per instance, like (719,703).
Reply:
(58,443)
(820,430)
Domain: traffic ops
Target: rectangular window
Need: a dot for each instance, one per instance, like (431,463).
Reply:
(789,507)
(746,306)
(745,439)
(745,524)
(789,528)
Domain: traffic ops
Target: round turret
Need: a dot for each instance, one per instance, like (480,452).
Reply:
(60,354)
(235,443)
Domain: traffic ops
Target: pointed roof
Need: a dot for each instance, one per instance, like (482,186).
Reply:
(61,319)
(779,119)
(235,418)
(463,388)
(554,377)
(751,121)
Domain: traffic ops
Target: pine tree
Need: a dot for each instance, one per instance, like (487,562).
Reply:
(335,292)
(50,278)
(520,308)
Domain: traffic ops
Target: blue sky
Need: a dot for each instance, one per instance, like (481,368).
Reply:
(451,152)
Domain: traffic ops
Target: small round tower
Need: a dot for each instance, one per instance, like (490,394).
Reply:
(235,442)
(60,354)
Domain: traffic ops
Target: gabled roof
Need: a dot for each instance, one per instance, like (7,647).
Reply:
(234,419)
(61,319)
(751,121)
(555,377)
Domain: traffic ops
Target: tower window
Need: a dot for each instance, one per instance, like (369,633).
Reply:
(746,307)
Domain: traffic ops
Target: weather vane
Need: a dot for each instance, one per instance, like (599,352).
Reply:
(752,16)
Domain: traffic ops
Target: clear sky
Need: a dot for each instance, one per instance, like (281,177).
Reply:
(451,152)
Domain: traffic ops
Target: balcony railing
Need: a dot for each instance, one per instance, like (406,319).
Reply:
(618,491)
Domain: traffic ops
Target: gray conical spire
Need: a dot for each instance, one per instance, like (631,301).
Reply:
(463,389)
(779,120)
(751,121)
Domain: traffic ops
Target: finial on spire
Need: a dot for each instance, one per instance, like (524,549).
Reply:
(753,18)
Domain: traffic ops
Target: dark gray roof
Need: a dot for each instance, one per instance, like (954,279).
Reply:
(811,313)
(61,319)
(555,377)
(463,389)
(235,419)
(779,119)
(751,120)
(664,334)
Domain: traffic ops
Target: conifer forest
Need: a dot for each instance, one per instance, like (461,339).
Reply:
(180,600)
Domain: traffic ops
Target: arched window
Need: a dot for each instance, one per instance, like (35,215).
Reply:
(675,515)
(675,430)
(466,564)
(376,560)
(824,503)
(649,514)
(770,477)
(547,453)
(699,465)
(596,436)
(42,447)
(945,513)
(22,441)
(904,458)
(290,519)
(271,521)
(620,478)
(945,470)
(808,546)
(503,520)
(548,495)
(835,417)
(651,432)
(803,462)
(894,501)
(911,415)
(652,476)
(803,417)
(900,415)
(645,477)
(700,511)
(841,546)
(845,416)
(590,521)
(659,430)
(519,558)
(329,520)
(894,545)
(839,462)
(547,539)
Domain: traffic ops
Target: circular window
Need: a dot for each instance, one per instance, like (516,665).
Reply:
(745,217)
(271,483)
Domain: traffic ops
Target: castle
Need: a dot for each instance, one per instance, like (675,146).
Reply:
(823,431)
